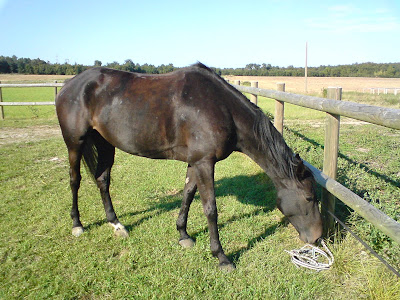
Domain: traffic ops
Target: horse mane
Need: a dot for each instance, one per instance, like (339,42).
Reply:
(270,140)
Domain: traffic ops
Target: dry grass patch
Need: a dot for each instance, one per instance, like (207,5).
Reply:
(316,84)
(17,78)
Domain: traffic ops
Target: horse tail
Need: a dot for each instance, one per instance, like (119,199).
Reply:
(90,156)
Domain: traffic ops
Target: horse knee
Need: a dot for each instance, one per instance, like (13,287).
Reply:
(103,183)
(75,180)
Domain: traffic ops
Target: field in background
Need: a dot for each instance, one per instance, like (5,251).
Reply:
(317,84)
(17,78)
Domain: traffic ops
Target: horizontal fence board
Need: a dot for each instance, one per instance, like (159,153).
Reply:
(388,117)
(20,85)
(26,103)
(370,213)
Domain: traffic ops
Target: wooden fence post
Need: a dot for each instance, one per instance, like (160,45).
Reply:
(331,149)
(55,91)
(1,106)
(279,109)
(253,98)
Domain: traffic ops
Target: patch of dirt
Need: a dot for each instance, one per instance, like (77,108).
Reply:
(28,134)
(313,123)
(365,150)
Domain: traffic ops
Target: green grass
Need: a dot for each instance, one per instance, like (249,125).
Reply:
(292,112)
(40,259)
(388,100)
(21,114)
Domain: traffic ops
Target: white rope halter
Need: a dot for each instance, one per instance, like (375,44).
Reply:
(312,257)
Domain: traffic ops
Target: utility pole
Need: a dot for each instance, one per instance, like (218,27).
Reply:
(305,72)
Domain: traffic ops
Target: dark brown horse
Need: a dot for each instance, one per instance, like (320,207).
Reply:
(191,115)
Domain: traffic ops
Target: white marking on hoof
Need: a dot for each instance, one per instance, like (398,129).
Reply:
(187,180)
(186,243)
(119,230)
(77,231)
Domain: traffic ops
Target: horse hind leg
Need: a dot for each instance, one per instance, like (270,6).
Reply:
(105,161)
(188,194)
(75,179)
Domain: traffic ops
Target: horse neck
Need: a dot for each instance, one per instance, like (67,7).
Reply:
(268,148)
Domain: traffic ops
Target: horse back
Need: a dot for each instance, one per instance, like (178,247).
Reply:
(180,115)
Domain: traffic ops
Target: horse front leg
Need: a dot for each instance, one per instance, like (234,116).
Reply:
(205,183)
(188,194)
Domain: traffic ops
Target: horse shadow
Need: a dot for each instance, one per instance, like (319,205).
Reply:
(256,190)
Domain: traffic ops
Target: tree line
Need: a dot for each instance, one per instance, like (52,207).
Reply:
(387,70)
(38,66)
(14,65)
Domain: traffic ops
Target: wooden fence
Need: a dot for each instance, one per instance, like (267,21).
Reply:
(384,90)
(335,108)
(22,85)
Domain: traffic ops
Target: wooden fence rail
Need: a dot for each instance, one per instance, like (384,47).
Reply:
(335,108)
(21,85)
(54,84)
(388,117)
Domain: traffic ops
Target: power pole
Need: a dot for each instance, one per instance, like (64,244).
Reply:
(305,72)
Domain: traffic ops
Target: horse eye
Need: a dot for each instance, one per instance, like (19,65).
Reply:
(310,198)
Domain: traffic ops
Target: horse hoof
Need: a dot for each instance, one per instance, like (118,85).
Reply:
(186,243)
(227,267)
(77,231)
(120,231)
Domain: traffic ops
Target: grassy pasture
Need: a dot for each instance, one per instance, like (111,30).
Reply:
(28,115)
(40,259)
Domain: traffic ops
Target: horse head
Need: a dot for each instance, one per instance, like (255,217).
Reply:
(297,201)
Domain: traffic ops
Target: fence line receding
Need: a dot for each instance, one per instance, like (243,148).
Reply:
(387,117)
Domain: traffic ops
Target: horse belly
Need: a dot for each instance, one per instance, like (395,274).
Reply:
(141,132)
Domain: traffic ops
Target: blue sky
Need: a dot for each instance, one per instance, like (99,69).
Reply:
(217,33)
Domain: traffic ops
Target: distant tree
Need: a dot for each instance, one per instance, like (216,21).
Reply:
(69,70)
(114,65)
(79,69)
(128,66)
(165,68)
(97,63)
(4,67)
(149,69)
(12,63)
(390,72)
